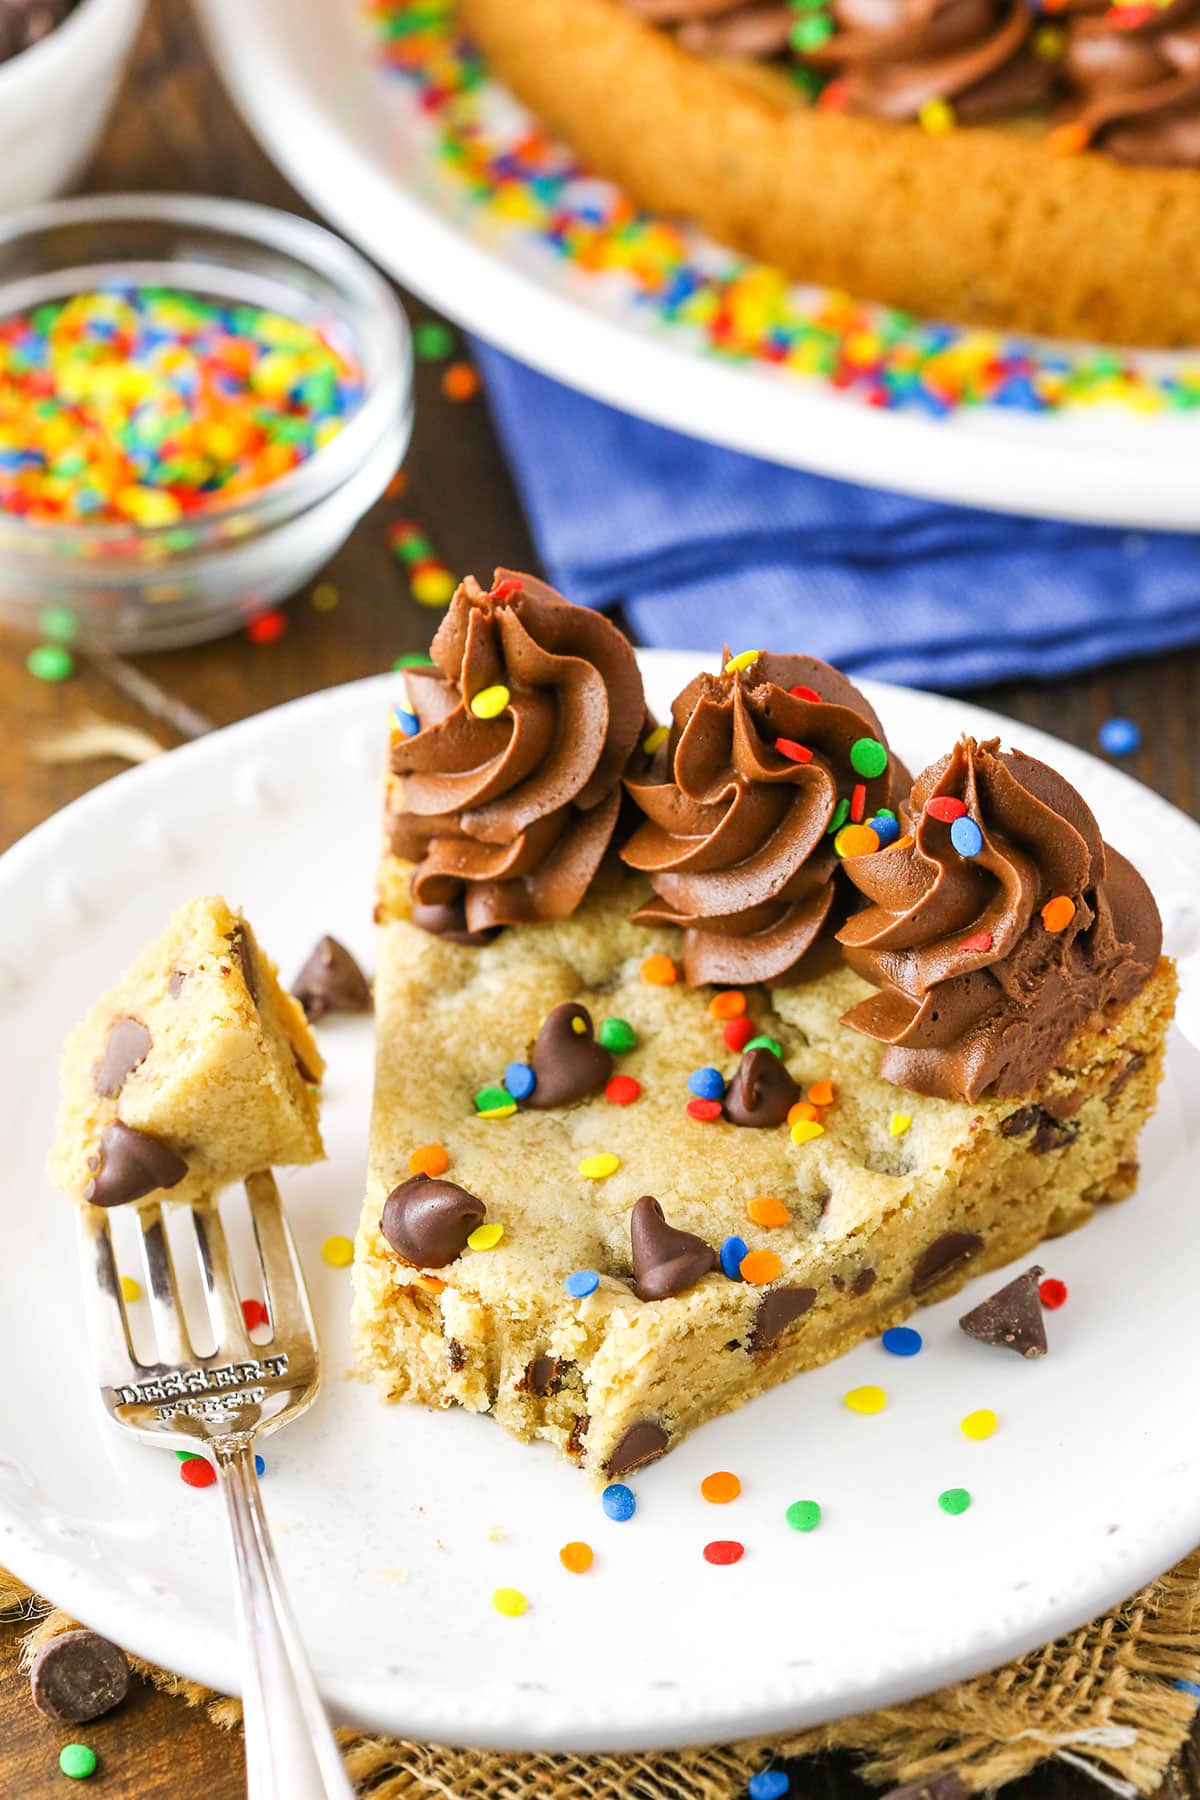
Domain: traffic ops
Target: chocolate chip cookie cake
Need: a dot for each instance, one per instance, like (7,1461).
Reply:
(707,1049)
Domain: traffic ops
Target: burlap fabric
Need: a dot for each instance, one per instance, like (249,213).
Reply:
(1104,1698)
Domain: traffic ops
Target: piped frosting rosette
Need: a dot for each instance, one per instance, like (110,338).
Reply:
(1135,70)
(997,928)
(765,765)
(508,763)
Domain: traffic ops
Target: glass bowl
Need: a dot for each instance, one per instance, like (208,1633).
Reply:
(129,587)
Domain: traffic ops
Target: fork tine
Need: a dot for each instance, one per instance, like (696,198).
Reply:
(224,1306)
(108,1325)
(287,1295)
(166,1310)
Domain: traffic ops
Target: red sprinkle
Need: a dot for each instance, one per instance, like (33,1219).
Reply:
(1128,18)
(196,1472)
(793,751)
(622,1090)
(254,1313)
(858,802)
(504,590)
(268,628)
(945,809)
(724,1550)
(981,941)
(835,97)
(706,1110)
(737,1034)
(805,693)
(1052,1293)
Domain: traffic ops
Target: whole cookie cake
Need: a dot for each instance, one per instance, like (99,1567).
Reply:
(1028,164)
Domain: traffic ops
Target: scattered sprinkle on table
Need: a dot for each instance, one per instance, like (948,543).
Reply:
(768,1784)
(268,628)
(197,1472)
(77,1760)
(429,1159)
(659,971)
(50,662)
(954,1500)
(432,340)
(581,1282)
(1052,1293)
(867,1399)
(486,1237)
(618,1036)
(324,597)
(803,1515)
(759,1267)
(723,1551)
(599,1167)
(338,1251)
(429,580)
(1120,737)
(577,1557)
(733,1254)
(461,382)
(130,1289)
(510,1601)
(899,1123)
(901,1340)
(980,1424)
(619,1502)
(720,1487)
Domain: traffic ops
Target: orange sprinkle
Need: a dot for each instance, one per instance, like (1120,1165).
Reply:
(760,1266)
(902,843)
(577,1557)
(396,485)
(767,1210)
(720,1487)
(802,1109)
(659,971)
(1066,140)
(460,381)
(433,1284)
(821,1093)
(729,1005)
(1058,913)
(430,1159)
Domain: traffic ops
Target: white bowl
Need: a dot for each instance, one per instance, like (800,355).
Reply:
(55,99)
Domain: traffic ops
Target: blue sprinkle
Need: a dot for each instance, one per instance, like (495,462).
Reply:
(768,1784)
(1120,737)
(966,836)
(901,1340)
(581,1282)
(260,1467)
(707,1084)
(733,1254)
(520,1080)
(618,1501)
(405,721)
(886,830)
(1187,1687)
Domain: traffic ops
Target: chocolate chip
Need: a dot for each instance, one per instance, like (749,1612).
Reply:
(243,955)
(642,1443)
(777,1310)
(127,1046)
(762,1092)
(578,1433)
(456,1356)
(863,1282)
(1052,1134)
(945,1786)
(448,920)
(331,981)
(302,1068)
(1018,1123)
(666,1261)
(1136,1061)
(944,1254)
(175,981)
(131,1164)
(428,1222)
(1011,1317)
(541,1377)
(568,1062)
(78,1677)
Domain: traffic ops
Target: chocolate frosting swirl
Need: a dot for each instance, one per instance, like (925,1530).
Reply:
(508,818)
(978,994)
(736,839)
(1136,72)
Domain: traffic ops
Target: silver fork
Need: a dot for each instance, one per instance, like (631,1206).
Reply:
(216,1406)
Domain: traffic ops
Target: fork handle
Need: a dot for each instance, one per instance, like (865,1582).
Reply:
(291,1753)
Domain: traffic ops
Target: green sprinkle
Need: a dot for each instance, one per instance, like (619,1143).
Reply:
(954,1500)
(803,1515)
(868,757)
(432,340)
(77,1761)
(762,1042)
(811,31)
(413,659)
(618,1036)
(841,813)
(50,662)
(59,624)
(490,1097)
(883,812)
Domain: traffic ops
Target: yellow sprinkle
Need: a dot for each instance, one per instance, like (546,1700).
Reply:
(653,739)
(130,1289)
(485,1237)
(979,1424)
(1049,43)
(433,587)
(338,1252)
(595,1168)
(490,702)
(805,1130)
(324,596)
(899,1123)
(937,117)
(497,1112)
(745,659)
(866,1399)
(148,506)
(510,1601)
(578,1026)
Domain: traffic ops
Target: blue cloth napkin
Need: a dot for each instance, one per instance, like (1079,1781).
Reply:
(701,544)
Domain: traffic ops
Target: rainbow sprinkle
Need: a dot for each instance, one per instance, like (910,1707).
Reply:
(735,309)
(146,405)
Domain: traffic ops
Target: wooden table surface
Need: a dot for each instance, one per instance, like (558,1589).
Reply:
(175,130)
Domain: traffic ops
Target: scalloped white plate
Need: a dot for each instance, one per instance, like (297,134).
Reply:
(394,1525)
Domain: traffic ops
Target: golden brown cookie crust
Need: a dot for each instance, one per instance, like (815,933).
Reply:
(983,226)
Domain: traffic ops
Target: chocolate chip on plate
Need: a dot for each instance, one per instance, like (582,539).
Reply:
(130,1165)
(126,1047)
(331,981)
(78,1676)
(1011,1317)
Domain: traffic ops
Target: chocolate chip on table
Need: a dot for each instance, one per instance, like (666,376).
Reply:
(428,1222)
(568,1062)
(127,1046)
(666,1261)
(942,1256)
(243,955)
(331,981)
(778,1309)
(762,1092)
(78,1676)
(130,1165)
(1012,1317)
(641,1444)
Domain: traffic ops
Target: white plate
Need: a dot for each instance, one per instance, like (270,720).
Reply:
(1090,1486)
(361,149)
